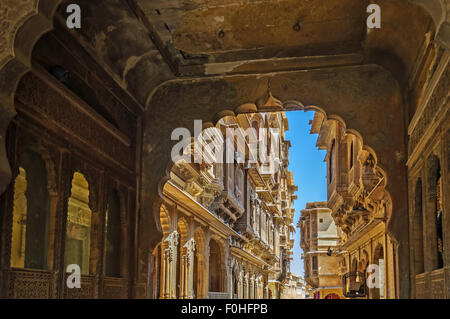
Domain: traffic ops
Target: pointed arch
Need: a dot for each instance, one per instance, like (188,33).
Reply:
(164,219)
(78,226)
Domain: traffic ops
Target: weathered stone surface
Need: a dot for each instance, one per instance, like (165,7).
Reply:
(138,45)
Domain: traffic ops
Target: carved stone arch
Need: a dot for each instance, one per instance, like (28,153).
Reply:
(358,107)
(50,159)
(22,27)
(93,178)
(355,134)
(165,218)
(200,275)
(50,165)
(183,229)
(222,275)
(338,119)
(255,116)
(439,10)
(199,236)
(38,163)
(364,261)
(378,252)
(354,264)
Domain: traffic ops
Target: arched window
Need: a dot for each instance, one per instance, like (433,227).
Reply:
(255,126)
(112,236)
(214,267)
(78,231)
(353,283)
(31,213)
(199,266)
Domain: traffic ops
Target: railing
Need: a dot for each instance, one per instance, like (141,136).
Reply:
(421,290)
(30,284)
(432,285)
(114,288)
(86,291)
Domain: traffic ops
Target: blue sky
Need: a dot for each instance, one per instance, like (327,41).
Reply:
(306,161)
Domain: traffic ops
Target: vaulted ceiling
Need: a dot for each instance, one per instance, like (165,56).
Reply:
(239,31)
(148,42)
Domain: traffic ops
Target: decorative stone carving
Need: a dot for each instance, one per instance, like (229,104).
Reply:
(437,102)
(172,243)
(190,251)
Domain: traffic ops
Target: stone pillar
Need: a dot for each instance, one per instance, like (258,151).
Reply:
(169,266)
(260,289)
(201,284)
(246,286)
(181,287)
(241,285)
(252,287)
(162,266)
(188,269)
(164,280)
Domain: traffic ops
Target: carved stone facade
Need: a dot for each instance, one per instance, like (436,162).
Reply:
(76,170)
(360,206)
(429,185)
(318,235)
(234,217)
(141,68)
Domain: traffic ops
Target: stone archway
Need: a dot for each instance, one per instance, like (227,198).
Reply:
(439,10)
(31,18)
(360,96)
(216,269)
(28,20)
(22,26)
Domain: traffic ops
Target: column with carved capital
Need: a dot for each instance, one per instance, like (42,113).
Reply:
(252,287)
(164,284)
(188,283)
(241,285)
(169,277)
(246,286)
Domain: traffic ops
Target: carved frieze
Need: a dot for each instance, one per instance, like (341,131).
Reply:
(437,101)
(38,97)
